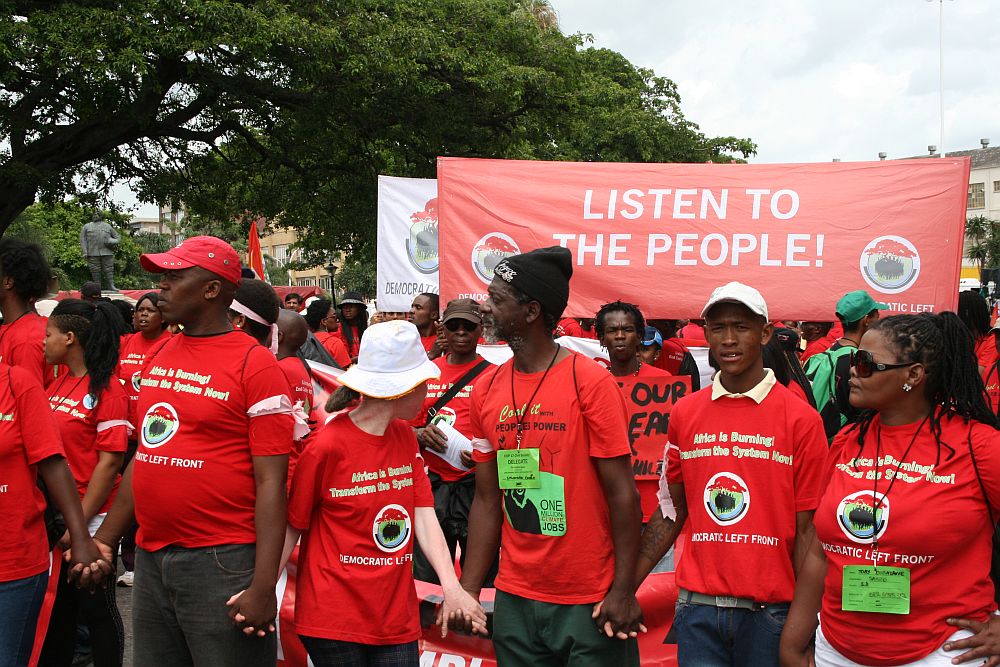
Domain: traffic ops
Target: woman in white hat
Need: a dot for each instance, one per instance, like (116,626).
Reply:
(359,496)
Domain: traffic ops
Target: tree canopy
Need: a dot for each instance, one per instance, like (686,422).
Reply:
(291,109)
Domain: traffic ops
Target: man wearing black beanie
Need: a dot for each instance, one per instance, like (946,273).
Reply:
(554,468)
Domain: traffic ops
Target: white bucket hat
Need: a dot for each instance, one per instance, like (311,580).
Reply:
(391,361)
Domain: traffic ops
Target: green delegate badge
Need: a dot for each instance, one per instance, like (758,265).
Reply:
(518,469)
(885,590)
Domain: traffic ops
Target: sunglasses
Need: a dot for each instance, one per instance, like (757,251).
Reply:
(455,325)
(864,365)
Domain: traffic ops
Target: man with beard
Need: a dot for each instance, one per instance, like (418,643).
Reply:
(550,429)
(207,484)
(744,462)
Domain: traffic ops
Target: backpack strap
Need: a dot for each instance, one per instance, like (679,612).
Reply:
(456,387)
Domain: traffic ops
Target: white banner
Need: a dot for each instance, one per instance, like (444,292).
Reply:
(407,260)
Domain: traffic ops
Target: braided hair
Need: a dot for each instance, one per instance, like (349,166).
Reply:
(98,326)
(944,346)
(619,307)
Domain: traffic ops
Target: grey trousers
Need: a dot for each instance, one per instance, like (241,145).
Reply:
(102,265)
(179,612)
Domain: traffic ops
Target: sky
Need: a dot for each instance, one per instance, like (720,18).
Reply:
(814,80)
(809,80)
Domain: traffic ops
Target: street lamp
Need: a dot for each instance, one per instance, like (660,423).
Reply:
(331,268)
(941,70)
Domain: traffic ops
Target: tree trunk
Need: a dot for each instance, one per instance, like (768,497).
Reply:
(15,196)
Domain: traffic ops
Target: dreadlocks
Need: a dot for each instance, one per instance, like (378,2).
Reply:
(619,307)
(944,346)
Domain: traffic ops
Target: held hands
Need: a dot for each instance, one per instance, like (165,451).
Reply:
(984,643)
(254,609)
(793,658)
(89,561)
(461,610)
(619,615)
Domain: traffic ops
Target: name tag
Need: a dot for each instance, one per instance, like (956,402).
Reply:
(885,590)
(518,469)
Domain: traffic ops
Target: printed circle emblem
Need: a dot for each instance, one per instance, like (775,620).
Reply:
(488,252)
(860,520)
(159,425)
(89,401)
(422,242)
(890,264)
(391,528)
(137,381)
(727,498)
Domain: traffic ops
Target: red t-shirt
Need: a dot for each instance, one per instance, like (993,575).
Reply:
(797,389)
(991,378)
(334,344)
(133,353)
(648,488)
(569,327)
(455,412)
(747,468)
(88,428)
(552,534)
(671,355)
(22,343)
(939,529)
(28,434)
(300,388)
(193,479)
(355,495)
(986,351)
(355,346)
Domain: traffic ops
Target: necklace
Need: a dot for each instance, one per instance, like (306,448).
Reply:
(853,342)
(876,502)
(519,416)
(5,329)
(637,368)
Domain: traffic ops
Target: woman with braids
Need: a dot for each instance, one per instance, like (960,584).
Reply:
(91,411)
(903,532)
(781,356)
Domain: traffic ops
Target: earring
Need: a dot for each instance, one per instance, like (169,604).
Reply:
(907,387)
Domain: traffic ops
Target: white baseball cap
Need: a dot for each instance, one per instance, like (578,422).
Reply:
(735,292)
(391,361)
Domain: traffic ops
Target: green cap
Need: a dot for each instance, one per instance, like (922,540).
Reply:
(853,306)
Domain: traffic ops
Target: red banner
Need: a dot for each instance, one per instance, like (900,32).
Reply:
(663,236)
(650,400)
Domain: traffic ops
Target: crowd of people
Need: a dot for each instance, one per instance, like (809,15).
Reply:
(833,493)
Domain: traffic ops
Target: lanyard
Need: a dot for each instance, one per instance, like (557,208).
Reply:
(876,503)
(520,416)
(68,394)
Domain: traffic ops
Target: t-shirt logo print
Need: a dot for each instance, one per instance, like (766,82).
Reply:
(859,518)
(727,498)
(391,528)
(159,425)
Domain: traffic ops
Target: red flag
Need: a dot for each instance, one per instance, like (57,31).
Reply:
(255,256)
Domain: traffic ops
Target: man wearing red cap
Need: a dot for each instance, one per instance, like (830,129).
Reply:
(207,484)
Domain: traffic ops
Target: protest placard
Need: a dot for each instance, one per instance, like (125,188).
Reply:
(650,400)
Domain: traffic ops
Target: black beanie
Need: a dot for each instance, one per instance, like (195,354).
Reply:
(542,275)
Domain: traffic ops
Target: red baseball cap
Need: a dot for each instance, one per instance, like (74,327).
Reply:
(207,252)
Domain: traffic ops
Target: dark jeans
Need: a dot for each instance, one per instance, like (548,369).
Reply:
(333,653)
(452,502)
(710,636)
(179,612)
(529,633)
(20,601)
(98,611)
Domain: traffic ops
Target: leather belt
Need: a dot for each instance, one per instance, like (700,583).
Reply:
(724,601)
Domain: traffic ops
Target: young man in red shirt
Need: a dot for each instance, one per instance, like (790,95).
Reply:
(743,464)
(424,315)
(207,484)
(24,278)
(446,412)
(554,469)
